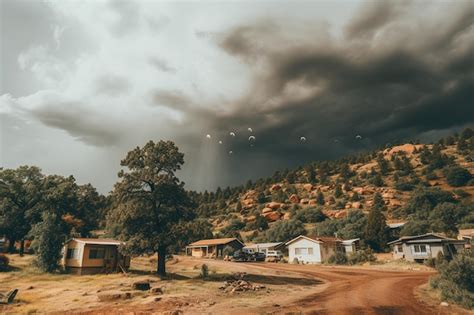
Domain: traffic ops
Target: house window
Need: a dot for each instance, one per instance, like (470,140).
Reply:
(400,248)
(96,253)
(420,249)
(72,253)
(304,251)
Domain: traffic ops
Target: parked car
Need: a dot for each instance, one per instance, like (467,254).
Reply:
(260,256)
(274,255)
(240,256)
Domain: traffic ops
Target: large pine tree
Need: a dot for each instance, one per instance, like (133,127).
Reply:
(376,232)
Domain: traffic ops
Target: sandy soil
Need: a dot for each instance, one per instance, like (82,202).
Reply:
(308,289)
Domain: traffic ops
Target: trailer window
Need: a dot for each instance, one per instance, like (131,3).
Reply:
(72,253)
(96,253)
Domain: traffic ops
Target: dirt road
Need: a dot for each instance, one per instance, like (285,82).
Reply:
(359,291)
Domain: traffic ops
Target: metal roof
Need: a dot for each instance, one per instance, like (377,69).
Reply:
(97,241)
(215,241)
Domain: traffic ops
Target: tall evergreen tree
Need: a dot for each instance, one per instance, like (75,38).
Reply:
(376,232)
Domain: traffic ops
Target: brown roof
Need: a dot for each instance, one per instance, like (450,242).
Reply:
(321,239)
(215,241)
(326,239)
(102,241)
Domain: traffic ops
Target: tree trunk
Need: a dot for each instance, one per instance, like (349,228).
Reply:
(11,245)
(161,269)
(22,247)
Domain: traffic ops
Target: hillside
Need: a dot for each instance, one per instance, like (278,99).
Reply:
(330,190)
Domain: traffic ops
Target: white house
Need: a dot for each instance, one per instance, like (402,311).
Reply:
(312,250)
(421,247)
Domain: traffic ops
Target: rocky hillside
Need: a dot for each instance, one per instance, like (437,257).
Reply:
(338,187)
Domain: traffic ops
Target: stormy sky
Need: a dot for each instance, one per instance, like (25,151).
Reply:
(83,82)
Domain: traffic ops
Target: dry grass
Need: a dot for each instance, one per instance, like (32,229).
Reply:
(40,292)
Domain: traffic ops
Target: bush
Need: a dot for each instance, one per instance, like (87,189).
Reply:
(455,279)
(457,176)
(338,258)
(228,251)
(361,256)
(310,215)
(204,271)
(4,262)
(285,230)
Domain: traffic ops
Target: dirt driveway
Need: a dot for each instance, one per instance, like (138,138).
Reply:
(359,291)
(289,289)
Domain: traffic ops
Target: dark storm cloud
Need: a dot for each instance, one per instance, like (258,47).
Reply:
(77,122)
(173,99)
(374,15)
(382,92)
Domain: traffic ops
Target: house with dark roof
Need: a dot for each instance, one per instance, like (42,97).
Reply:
(93,255)
(421,247)
(212,248)
(313,249)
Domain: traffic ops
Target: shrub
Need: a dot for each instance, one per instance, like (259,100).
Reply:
(361,256)
(310,215)
(338,258)
(455,279)
(204,271)
(4,262)
(285,230)
(228,251)
(457,176)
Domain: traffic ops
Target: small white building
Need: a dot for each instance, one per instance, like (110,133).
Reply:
(351,246)
(312,250)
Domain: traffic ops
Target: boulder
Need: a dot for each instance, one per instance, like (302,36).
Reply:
(275,187)
(267,210)
(340,214)
(156,290)
(304,201)
(356,205)
(287,216)
(348,206)
(388,195)
(395,203)
(274,205)
(312,202)
(294,199)
(272,216)
(308,187)
(141,285)
(113,296)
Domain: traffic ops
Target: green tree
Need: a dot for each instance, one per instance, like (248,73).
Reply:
(49,237)
(338,191)
(282,231)
(152,204)
(320,198)
(376,232)
(20,197)
(457,176)
(310,215)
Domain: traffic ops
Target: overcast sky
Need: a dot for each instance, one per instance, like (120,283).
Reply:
(83,82)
